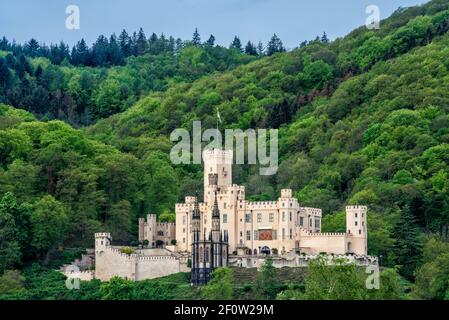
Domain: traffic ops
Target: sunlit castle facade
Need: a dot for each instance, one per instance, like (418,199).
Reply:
(266,227)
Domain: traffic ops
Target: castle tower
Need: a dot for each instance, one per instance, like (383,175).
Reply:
(356,225)
(102,240)
(217,171)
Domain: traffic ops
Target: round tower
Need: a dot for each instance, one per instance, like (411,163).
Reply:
(356,227)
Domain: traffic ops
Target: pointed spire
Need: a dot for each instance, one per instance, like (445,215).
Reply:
(215,210)
(196,210)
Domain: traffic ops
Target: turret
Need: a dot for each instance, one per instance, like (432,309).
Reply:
(356,226)
(356,220)
(215,231)
(196,219)
(102,240)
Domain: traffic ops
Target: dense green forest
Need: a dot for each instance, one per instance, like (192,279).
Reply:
(363,119)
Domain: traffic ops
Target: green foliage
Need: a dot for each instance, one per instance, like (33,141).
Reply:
(117,289)
(432,278)
(127,250)
(266,286)
(11,282)
(49,224)
(220,286)
(344,281)
(408,243)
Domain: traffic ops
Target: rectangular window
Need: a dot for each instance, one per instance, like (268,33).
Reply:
(355,222)
(291,234)
(183,219)
(259,217)
(301,221)
(224,205)
(317,223)
(256,235)
(283,233)
(247,218)
(290,216)
(225,218)
(241,233)
(283,215)
(248,235)
(271,217)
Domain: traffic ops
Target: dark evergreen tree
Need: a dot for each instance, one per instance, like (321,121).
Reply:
(115,56)
(80,54)
(134,44)
(124,42)
(260,49)
(100,51)
(141,43)
(250,49)
(408,244)
(275,45)
(153,43)
(5,76)
(324,38)
(196,39)
(32,48)
(4,44)
(236,44)
(211,41)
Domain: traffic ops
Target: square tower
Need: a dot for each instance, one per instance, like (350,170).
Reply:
(217,168)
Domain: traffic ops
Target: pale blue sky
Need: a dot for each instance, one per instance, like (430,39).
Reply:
(256,20)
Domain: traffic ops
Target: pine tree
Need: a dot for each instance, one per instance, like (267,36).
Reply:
(260,49)
(275,45)
(100,51)
(115,56)
(80,54)
(134,44)
(141,43)
(324,38)
(153,44)
(179,44)
(250,49)
(124,42)
(211,41)
(5,75)
(32,48)
(236,44)
(408,245)
(196,39)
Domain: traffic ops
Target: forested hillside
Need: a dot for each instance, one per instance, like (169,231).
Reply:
(87,84)
(362,120)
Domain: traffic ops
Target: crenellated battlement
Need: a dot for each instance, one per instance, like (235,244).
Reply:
(313,211)
(356,207)
(102,235)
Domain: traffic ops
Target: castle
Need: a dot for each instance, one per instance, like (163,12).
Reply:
(267,227)
(227,230)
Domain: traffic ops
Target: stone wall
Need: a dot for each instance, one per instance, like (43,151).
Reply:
(295,261)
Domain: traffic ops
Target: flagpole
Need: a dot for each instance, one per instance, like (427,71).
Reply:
(217,128)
